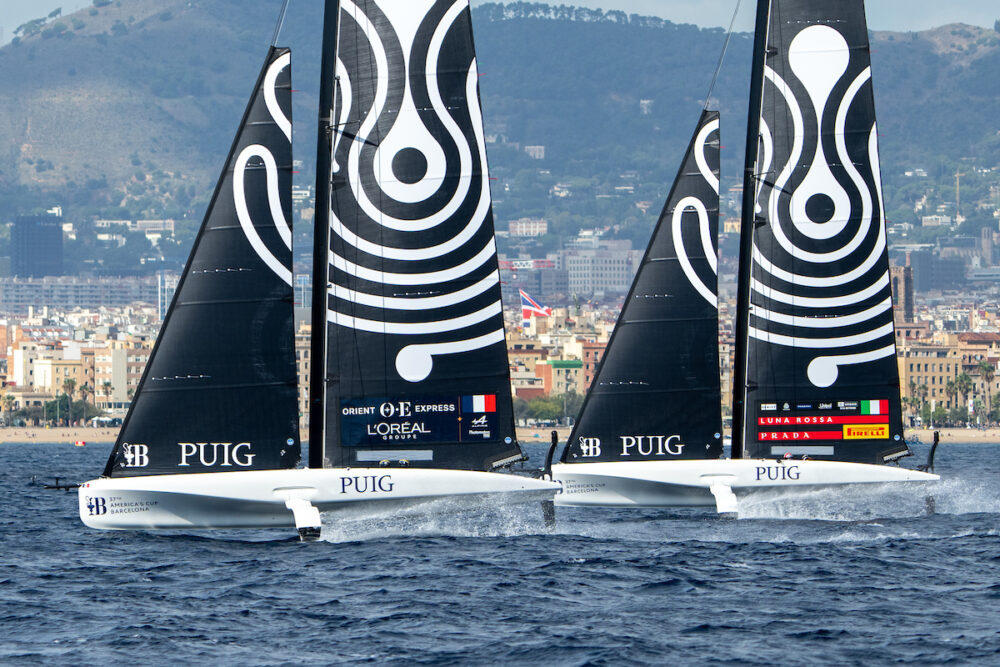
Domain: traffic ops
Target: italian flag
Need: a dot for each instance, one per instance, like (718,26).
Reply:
(875,407)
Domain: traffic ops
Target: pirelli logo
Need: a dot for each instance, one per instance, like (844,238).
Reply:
(866,432)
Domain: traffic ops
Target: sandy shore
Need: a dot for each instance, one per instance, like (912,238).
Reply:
(970,435)
(109,435)
(60,435)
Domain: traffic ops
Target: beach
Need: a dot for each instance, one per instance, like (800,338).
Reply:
(94,436)
(926,435)
(59,435)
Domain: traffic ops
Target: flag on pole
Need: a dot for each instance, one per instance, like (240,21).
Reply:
(530,307)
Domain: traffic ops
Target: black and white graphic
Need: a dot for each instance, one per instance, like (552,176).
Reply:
(260,157)
(222,373)
(414,287)
(660,373)
(820,315)
(413,254)
(821,281)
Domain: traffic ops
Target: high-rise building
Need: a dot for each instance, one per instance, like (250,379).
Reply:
(36,246)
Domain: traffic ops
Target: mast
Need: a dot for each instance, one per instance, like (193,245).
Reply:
(321,239)
(747,221)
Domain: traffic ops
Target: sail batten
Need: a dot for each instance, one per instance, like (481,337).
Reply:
(219,391)
(816,337)
(656,394)
(416,355)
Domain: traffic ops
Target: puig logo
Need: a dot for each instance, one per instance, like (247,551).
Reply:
(652,445)
(217,453)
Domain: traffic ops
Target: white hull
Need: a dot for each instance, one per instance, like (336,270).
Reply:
(710,483)
(285,498)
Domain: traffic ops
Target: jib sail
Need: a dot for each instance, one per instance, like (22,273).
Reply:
(656,395)
(219,391)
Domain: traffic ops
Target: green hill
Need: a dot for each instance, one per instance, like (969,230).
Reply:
(127,109)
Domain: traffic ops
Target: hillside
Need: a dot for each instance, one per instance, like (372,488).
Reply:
(128,109)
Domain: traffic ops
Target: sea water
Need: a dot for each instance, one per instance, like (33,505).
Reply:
(857,577)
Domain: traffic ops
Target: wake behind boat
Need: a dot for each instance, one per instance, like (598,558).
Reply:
(410,392)
(816,387)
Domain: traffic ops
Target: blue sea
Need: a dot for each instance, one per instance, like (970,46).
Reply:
(859,578)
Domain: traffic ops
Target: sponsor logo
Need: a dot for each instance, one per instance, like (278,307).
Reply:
(786,407)
(391,409)
(397,430)
(847,405)
(804,406)
(591,447)
(768,407)
(97,505)
(780,421)
(810,420)
(798,435)
(479,422)
(136,456)
(777,473)
(210,454)
(824,406)
(367,484)
(866,432)
(650,445)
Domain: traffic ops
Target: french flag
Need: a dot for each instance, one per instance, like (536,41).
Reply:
(479,403)
(531,307)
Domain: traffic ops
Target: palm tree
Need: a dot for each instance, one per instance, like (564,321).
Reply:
(85,391)
(951,389)
(922,394)
(107,389)
(964,385)
(988,372)
(8,405)
(69,386)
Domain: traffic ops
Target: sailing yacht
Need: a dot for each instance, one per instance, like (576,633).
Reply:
(816,385)
(410,389)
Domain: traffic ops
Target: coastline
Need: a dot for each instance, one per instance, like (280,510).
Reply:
(59,435)
(107,436)
(926,435)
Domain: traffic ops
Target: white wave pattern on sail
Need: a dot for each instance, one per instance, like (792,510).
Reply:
(265,158)
(697,206)
(819,57)
(393,219)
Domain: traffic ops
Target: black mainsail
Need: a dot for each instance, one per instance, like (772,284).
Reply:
(656,395)
(219,392)
(416,369)
(816,357)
